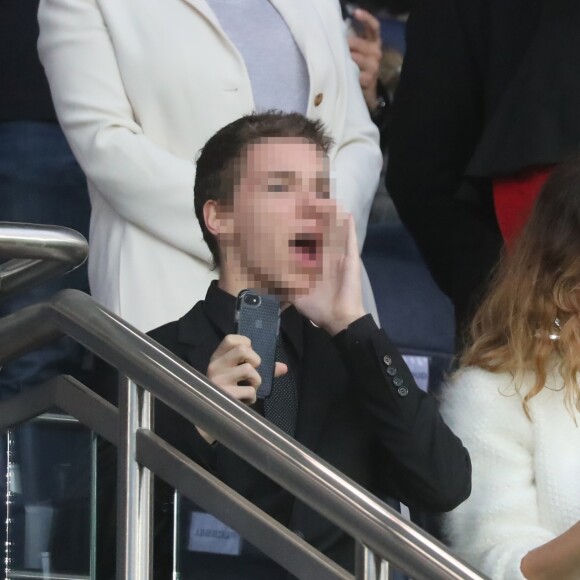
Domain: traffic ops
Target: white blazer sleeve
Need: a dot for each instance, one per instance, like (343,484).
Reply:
(144,183)
(358,161)
(499,523)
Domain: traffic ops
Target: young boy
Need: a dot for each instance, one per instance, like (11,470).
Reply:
(262,196)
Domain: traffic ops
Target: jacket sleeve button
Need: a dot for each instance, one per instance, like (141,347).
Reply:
(387,360)
(392,371)
(398,382)
(403,391)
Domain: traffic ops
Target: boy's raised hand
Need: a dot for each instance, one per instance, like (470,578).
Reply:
(336,301)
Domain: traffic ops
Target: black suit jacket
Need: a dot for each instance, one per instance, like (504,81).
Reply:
(488,88)
(350,413)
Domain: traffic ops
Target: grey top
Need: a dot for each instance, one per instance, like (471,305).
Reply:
(276,66)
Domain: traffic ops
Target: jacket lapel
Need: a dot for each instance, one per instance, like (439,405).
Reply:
(197,338)
(309,31)
(203,8)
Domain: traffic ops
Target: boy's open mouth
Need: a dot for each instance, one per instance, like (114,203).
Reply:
(306,248)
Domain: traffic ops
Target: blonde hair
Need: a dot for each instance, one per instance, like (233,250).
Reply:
(535,295)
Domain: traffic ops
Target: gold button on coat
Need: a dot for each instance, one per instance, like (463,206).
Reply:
(318,99)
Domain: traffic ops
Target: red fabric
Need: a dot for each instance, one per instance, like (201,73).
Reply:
(514,199)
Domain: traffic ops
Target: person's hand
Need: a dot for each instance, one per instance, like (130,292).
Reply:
(233,362)
(366,51)
(336,301)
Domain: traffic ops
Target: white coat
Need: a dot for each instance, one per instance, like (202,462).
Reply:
(526,474)
(139,86)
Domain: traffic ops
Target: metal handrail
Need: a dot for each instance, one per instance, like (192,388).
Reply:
(181,473)
(36,253)
(189,393)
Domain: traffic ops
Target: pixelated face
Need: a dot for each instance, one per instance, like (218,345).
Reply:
(278,216)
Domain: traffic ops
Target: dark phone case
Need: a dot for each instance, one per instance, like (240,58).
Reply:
(260,324)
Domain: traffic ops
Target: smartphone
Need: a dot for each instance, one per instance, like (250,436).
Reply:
(357,26)
(258,318)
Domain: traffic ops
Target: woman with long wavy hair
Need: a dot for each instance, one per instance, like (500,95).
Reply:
(515,401)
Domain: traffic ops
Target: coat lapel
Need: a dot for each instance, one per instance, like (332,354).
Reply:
(197,338)
(203,8)
(309,31)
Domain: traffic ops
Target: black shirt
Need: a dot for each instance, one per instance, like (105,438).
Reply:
(359,409)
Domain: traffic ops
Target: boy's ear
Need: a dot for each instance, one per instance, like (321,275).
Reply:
(210,216)
(215,217)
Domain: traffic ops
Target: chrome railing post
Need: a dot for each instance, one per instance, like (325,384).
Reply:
(383,568)
(369,566)
(11,485)
(135,486)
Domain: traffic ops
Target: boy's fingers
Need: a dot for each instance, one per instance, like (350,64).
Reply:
(341,230)
(280,370)
(241,354)
(351,241)
(245,395)
(245,373)
(228,343)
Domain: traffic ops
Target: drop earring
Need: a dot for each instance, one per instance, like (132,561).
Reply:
(555,334)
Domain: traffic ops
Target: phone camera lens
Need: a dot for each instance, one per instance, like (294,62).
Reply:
(252,299)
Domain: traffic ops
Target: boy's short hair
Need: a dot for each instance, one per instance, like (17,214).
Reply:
(218,164)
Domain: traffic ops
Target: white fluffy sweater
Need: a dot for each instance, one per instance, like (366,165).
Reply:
(526,474)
